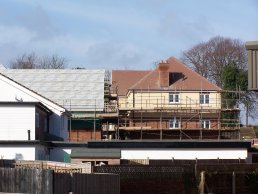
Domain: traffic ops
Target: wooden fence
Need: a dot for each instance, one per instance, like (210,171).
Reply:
(219,177)
(86,183)
(145,179)
(227,179)
(33,181)
(38,181)
(56,166)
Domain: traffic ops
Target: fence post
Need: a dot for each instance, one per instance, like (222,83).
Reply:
(233,183)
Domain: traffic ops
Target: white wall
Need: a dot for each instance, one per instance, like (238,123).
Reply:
(16,120)
(17,152)
(12,92)
(168,154)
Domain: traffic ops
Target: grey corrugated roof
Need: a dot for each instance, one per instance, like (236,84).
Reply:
(80,88)
(95,153)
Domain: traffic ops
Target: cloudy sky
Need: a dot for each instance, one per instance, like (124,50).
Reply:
(116,34)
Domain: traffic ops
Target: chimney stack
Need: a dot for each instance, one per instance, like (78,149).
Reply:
(163,74)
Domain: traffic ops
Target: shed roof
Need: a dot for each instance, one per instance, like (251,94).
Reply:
(95,153)
(75,89)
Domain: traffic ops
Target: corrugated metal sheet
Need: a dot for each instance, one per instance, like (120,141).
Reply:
(75,89)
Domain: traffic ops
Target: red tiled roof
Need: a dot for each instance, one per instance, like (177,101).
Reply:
(124,79)
(184,78)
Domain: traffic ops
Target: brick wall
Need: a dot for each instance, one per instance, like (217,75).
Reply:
(173,134)
(155,124)
(83,135)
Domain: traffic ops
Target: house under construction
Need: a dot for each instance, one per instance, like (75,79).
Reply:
(172,102)
(169,102)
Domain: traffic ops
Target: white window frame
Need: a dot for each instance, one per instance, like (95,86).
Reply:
(204,124)
(174,98)
(204,98)
(174,123)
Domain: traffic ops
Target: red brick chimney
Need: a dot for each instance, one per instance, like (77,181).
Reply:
(163,74)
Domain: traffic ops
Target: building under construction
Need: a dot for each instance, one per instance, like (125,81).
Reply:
(172,102)
(169,102)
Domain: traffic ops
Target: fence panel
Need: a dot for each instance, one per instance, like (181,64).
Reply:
(32,181)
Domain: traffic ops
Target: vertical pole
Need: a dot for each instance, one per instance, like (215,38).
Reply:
(160,125)
(141,123)
(180,127)
(94,127)
(118,123)
(233,183)
(141,114)
(70,124)
(202,183)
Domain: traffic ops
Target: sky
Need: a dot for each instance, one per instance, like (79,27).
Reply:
(116,34)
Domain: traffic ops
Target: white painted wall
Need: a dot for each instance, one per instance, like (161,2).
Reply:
(14,92)
(186,154)
(17,152)
(10,121)
(16,120)
(11,93)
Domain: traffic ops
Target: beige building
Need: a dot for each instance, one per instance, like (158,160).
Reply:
(170,102)
(252,51)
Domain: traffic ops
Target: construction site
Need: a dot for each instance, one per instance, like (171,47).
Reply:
(169,104)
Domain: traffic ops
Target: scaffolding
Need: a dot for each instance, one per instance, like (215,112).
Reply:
(145,114)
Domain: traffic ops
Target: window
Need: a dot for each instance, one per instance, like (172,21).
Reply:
(174,123)
(204,98)
(205,124)
(173,98)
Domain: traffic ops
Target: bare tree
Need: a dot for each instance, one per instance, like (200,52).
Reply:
(52,62)
(26,61)
(211,57)
(32,61)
